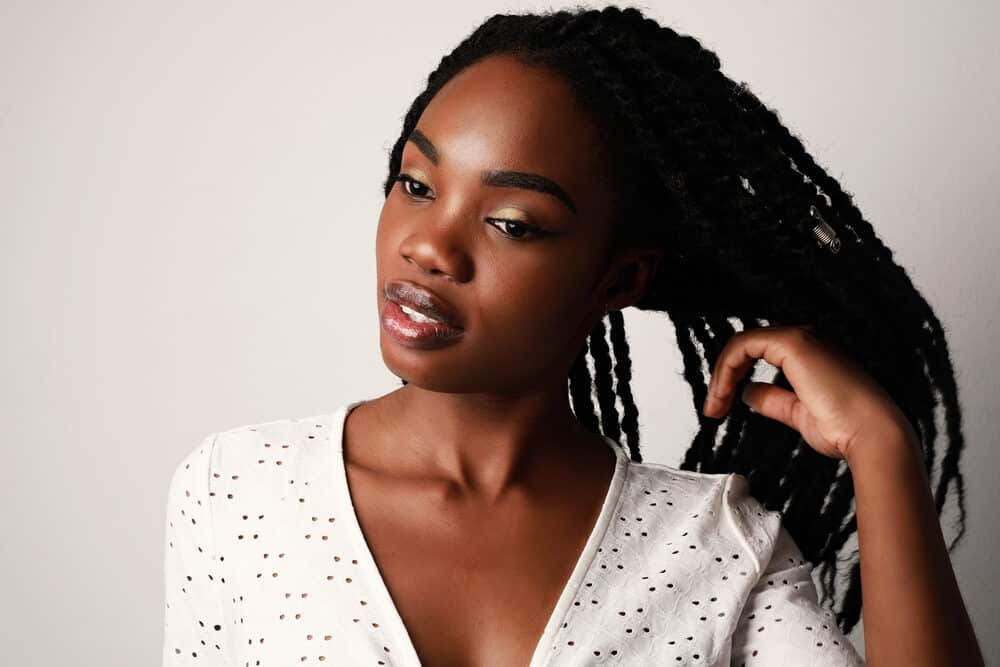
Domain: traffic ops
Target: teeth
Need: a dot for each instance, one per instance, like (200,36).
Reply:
(417,317)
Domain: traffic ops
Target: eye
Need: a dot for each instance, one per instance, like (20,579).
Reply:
(512,229)
(519,229)
(406,180)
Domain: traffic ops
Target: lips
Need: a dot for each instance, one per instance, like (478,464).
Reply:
(422,300)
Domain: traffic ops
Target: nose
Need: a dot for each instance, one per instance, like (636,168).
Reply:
(436,248)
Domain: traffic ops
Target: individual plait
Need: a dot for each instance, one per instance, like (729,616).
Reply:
(694,374)
(722,331)
(604,382)
(580,388)
(736,419)
(699,454)
(766,454)
(623,383)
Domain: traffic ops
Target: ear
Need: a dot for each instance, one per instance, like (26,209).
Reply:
(630,275)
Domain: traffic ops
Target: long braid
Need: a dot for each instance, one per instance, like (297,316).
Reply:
(623,383)
(610,424)
(700,453)
(939,366)
(695,376)
(580,391)
(709,174)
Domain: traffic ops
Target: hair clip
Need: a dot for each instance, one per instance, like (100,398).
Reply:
(824,233)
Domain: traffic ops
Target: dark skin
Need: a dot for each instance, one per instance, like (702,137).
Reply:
(475,486)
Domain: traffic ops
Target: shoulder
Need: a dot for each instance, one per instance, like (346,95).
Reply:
(189,479)
(277,442)
(681,479)
(255,455)
(718,506)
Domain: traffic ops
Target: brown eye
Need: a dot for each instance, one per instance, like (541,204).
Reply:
(408,180)
(515,229)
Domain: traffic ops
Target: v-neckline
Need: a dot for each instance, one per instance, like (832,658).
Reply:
(410,658)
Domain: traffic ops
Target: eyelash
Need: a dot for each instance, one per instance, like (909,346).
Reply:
(532,230)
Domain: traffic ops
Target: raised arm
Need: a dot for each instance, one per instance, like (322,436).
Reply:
(913,608)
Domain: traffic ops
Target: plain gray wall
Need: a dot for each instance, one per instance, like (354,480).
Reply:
(189,193)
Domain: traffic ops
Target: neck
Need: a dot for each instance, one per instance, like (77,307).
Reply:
(483,443)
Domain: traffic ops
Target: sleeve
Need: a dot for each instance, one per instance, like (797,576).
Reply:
(782,622)
(194,629)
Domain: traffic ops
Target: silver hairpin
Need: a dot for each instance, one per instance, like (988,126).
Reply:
(824,233)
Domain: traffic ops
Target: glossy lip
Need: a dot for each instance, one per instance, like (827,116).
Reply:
(418,335)
(422,300)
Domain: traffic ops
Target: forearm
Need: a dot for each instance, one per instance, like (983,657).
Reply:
(913,611)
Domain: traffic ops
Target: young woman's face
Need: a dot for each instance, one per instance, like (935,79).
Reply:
(526,289)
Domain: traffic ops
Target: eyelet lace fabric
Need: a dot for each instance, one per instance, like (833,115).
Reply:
(264,565)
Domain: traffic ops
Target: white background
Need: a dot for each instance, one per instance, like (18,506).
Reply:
(188,199)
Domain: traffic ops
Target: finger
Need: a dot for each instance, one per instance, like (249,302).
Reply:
(773,344)
(729,370)
(772,401)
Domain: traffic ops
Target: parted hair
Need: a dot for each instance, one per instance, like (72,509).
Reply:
(703,170)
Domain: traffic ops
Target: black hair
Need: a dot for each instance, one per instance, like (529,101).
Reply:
(709,174)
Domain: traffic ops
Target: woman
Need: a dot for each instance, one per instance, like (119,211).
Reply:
(557,169)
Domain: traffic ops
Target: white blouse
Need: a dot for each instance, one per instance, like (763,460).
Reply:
(265,565)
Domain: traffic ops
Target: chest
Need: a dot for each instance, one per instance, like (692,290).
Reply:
(472,588)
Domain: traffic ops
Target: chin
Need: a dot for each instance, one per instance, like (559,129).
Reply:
(447,372)
(426,369)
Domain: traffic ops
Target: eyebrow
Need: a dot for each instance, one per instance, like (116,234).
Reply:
(498,177)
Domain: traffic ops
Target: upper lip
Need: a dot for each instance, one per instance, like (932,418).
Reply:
(423,300)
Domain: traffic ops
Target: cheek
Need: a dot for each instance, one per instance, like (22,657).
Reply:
(535,307)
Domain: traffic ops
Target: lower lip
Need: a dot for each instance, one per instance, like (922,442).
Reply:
(421,335)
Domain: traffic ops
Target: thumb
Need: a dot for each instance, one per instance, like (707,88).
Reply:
(771,401)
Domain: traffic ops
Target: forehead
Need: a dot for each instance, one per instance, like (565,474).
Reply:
(502,114)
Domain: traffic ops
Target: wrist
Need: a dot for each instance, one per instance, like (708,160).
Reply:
(884,445)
